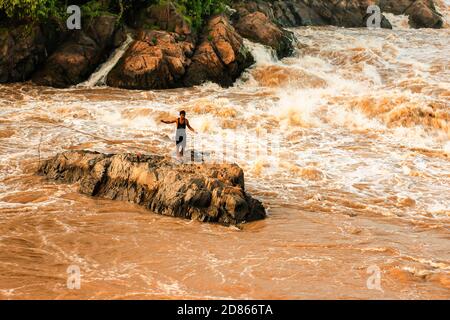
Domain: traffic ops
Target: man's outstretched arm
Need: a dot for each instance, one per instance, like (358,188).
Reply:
(168,122)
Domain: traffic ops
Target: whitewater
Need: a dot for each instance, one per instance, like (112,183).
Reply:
(347,143)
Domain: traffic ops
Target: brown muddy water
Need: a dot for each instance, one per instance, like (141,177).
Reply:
(360,180)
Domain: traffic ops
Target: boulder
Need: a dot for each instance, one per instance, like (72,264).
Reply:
(423,14)
(23,49)
(203,192)
(156,60)
(164,16)
(221,56)
(344,13)
(258,27)
(79,56)
(296,13)
(290,13)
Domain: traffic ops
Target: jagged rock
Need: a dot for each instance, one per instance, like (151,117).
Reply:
(156,60)
(422,13)
(164,16)
(221,56)
(79,56)
(296,14)
(23,49)
(344,13)
(258,27)
(204,192)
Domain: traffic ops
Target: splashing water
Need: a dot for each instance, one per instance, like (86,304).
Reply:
(360,177)
(98,78)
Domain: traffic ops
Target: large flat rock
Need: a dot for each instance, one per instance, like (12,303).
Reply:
(204,192)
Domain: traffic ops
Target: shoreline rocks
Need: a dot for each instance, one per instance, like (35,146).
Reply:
(23,49)
(256,26)
(203,192)
(156,60)
(221,56)
(161,59)
(168,53)
(345,13)
(75,60)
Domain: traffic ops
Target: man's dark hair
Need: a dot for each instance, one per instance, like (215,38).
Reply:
(182,113)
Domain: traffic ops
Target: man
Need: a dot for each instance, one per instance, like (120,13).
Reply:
(180,138)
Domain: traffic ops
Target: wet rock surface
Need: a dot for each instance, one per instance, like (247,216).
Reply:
(169,53)
(203,192)
(344,13)
(258,27)
(221,56)
(156,60)
(80,55)
(23,49)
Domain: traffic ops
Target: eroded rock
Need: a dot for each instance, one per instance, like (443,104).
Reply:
(163,16)
(258,27)
(204,192)
(79,56)
(221,56)
(156,60)
(344,13)
(23,49)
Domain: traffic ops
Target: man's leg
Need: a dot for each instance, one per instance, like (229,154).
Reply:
(183,146)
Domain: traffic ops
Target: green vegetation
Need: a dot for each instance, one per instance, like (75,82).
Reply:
(197,10)
(34,10)
(194,11)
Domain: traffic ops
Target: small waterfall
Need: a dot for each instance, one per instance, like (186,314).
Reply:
(263,55)
(98,78)
(443,7)
(398,22)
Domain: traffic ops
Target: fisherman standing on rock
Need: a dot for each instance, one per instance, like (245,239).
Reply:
(180,137)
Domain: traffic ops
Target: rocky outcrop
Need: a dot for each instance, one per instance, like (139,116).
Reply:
(156,60)
(221,56)
(23,49)
(80,55)
(258,27)
(422,13)
(204,192)
(168,52)
(160,59)
(292,13)
(162,17)
(289,13)
(344,13)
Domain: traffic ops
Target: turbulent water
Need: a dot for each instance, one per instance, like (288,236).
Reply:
(357,179)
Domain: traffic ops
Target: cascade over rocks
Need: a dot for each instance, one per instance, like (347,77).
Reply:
(168,52)
(257,27)
(343,13)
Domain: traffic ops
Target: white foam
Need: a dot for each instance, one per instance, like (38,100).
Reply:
(98,78)
(398,22)
(263,55)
